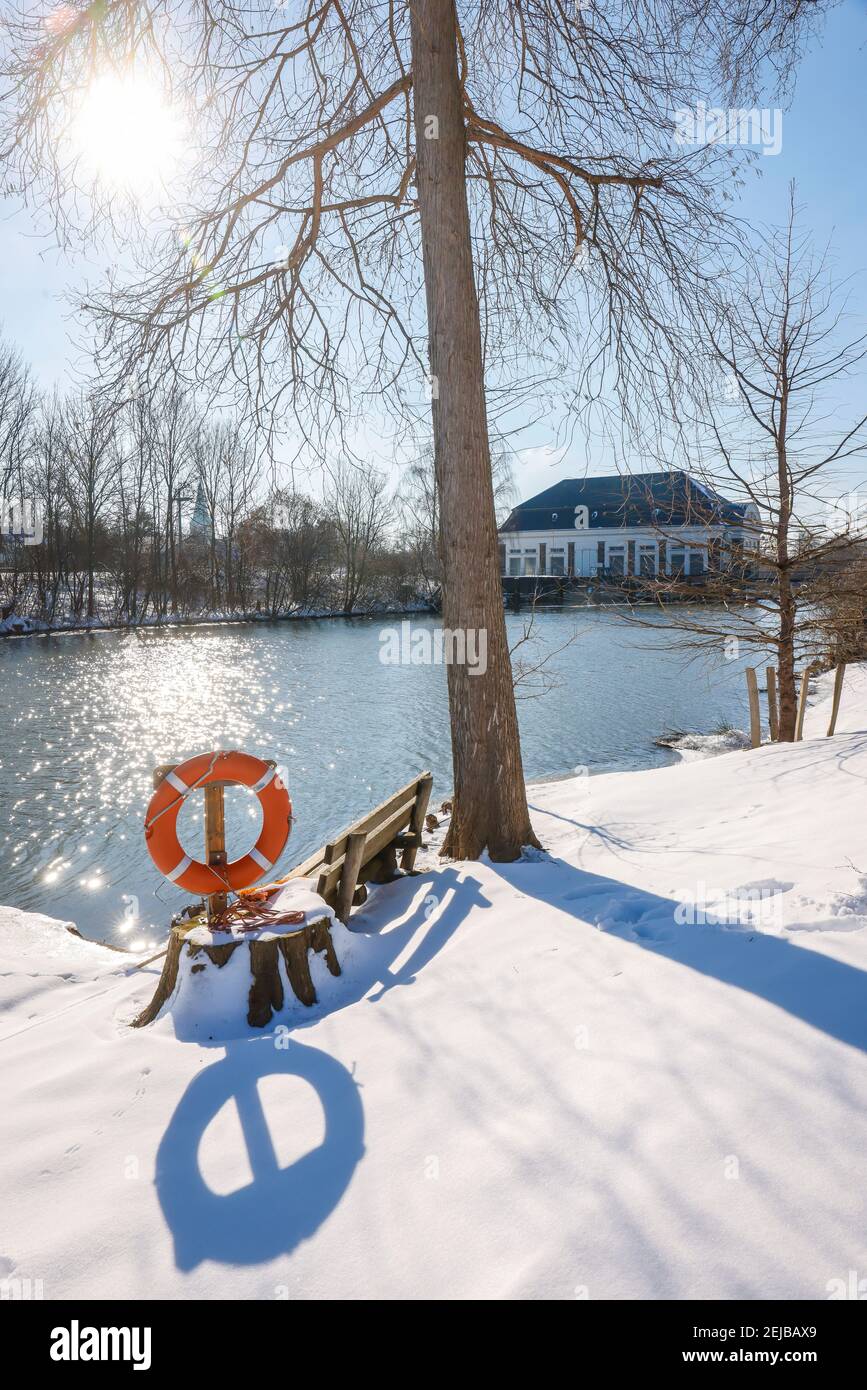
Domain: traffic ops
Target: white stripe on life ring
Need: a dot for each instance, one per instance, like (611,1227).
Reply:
(176,782)
(260,860)
(263,782)
(181,869)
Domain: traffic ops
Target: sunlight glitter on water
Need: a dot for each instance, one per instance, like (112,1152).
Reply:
(88,717)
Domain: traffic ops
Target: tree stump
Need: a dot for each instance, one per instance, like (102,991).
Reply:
(267,947)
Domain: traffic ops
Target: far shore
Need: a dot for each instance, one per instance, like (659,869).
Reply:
(209,620)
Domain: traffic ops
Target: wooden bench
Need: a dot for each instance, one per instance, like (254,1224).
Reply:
(366,852)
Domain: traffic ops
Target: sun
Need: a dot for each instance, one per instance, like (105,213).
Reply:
(128,135)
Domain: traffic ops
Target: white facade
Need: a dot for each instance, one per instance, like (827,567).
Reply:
(686,550)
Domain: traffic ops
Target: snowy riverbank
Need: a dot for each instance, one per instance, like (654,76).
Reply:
(634,1067)
(24,626)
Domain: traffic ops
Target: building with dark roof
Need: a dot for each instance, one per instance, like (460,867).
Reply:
(646,525)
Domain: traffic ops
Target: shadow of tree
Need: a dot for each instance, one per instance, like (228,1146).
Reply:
(282,1207)
(823,992)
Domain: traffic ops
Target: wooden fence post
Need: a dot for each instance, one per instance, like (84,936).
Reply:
(416,825)
(755,714)
(215,840)
(773,708)
(802,704)
(838,691)
(349,875)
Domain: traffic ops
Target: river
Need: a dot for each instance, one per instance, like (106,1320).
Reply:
(87,717)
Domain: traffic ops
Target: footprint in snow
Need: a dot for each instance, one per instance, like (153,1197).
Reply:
(654,934)
(763,885)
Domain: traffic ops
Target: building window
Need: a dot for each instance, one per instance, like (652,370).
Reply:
(617,560)
(530,562)
(558,562)
(683,560)
(514,565)
(647,561)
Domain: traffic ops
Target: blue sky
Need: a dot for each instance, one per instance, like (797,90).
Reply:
(824,148)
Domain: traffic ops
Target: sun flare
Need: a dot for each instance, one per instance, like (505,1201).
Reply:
(128,134)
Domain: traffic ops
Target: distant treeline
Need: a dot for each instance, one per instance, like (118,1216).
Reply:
(151,510)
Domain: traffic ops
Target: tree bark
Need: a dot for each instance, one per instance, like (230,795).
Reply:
(490,803)
(787,605)
(91,548)
(786,661)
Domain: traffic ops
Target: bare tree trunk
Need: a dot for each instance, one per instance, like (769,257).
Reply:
(786,661)
(172,558)
(91,605)
(490,803)
(786,597)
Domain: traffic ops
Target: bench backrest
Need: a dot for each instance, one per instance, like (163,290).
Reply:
(340,864)
(380,828)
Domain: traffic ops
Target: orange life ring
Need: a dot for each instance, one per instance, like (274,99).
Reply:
(161,821)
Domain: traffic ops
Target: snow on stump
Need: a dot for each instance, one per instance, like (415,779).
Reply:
(198,955)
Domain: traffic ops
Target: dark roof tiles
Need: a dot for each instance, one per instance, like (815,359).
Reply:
(663,499)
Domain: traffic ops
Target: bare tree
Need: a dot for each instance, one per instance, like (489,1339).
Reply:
(418,506)
(208,461)
(344,146)
(136,519)
(356,503)
(296,547)
(784,351)
(240,475)
(18,402)
(533,672)
(769,440)
(45,471)
(840,603)
(90,473)
(174,427)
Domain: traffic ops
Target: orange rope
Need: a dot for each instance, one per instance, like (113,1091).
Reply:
(244,916)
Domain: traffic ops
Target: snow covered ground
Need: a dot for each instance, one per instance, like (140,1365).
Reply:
(636,1067)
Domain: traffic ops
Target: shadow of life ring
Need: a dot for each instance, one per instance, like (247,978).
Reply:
(161,821)
(281,1207)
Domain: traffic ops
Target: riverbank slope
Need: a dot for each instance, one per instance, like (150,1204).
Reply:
(634,1066)
(24,626)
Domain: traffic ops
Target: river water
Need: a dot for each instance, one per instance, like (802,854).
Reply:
(85,718)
